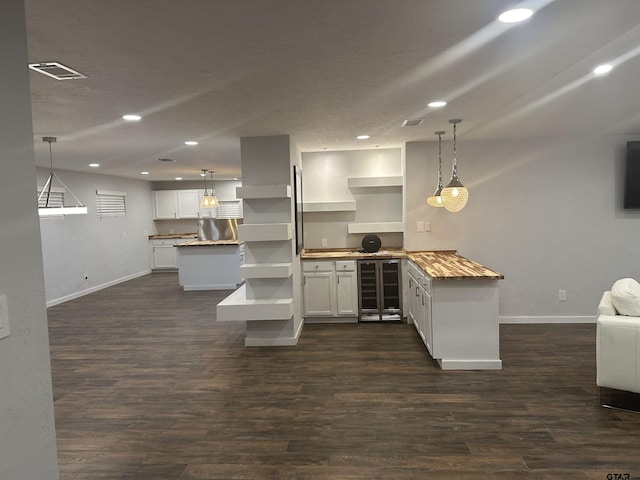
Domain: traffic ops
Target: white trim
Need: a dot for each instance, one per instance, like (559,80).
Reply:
(82,293)
(470,364)
(221,286)
(525,319)
(274,342)
(111,192)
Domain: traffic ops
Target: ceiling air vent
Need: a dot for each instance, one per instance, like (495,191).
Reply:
(56,70)
(412,123)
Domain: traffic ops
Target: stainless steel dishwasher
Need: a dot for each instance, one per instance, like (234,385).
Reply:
(379,297)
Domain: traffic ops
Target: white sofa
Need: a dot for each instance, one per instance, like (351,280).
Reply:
(618,337)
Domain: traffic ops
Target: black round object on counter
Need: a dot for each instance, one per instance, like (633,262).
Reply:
(371,243)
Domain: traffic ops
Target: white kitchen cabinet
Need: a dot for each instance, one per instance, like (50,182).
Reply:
(330,289)
(178,204)
(319,289)
(188,203)
(346,288)
(163,254)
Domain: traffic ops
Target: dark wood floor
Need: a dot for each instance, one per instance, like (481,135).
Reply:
(148,386)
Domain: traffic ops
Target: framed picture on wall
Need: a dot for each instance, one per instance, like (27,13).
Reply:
(297,202)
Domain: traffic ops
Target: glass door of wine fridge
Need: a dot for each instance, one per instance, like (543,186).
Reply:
(380,290)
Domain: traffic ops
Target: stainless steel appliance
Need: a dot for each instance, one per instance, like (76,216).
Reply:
(380,290)
(218,228)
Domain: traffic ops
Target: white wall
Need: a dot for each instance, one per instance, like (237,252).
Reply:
(546,214)
(325,177)
(27,430)
(107,250)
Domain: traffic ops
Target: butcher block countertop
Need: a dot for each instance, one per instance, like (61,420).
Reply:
(439,264)
(208,243)
(169,236)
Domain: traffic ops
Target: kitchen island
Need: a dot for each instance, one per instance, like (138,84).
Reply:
(452,302)
(210,264)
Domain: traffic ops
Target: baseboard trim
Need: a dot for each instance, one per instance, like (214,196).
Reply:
(274,342)
(524,319)
(82,293)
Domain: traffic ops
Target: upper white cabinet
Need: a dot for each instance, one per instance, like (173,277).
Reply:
(188,203)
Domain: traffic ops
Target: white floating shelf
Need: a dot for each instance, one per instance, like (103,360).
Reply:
(379,227)
(237,308)
(263,232)
(266,270)
(361,182)
(344,206)
(264,191)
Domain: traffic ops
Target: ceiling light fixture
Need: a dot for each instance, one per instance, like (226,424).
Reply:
(363,137)
(454,195)
(94,165)
(178,178)
(45,194)
(191,143)
(213,200)
(56,70)
(205,203)
(437,104)
(144,173)
(131,118)
(602,69)
(435,200)
(516,15)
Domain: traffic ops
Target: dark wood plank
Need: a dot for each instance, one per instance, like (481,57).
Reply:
(148,386)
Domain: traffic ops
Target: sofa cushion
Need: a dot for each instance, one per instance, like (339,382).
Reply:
(625,296)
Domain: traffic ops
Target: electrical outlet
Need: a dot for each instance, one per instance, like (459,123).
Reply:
(324,242)
(427,226)
(562,295)
(4,317)
(420,226)
(86,277)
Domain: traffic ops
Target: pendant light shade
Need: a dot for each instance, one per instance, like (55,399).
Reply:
(454,195)
(435,200)
(213,200)
(44,198)
(205,203)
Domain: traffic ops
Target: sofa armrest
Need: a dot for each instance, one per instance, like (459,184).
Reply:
(605,307)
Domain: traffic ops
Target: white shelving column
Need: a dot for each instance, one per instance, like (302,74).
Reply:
(268,301)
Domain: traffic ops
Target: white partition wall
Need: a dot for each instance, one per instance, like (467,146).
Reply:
(268,300)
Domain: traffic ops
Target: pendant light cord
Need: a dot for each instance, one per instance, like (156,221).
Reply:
(440,160)
(455,159)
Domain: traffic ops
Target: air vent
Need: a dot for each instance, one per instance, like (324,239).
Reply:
(166,160)
(56,70)
(412,123)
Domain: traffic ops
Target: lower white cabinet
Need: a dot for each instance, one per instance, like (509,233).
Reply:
(420,309)
(330,288)
(163,254)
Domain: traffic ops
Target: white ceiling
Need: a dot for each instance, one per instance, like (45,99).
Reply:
(322,71)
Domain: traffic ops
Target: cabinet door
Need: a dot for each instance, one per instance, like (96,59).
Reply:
(318,292)
(188,203)
(165,256)
(347,293)
(164,203)
(428,330)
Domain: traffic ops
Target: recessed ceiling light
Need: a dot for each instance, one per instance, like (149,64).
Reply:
(603,69)
(437,104)
(515,15)
(178,178)
(191,143)
(144,173)
(94,165)
(363,137)
(236,178)
(131,118)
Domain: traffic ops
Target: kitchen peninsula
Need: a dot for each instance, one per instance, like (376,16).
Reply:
(209,264)
(451,300)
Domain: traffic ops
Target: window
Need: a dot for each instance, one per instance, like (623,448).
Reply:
(110,203)
(229,209)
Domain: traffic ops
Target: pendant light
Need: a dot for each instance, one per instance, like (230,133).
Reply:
(213,200)
(205,203)
(435,200)
(454,195)
(45,194)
